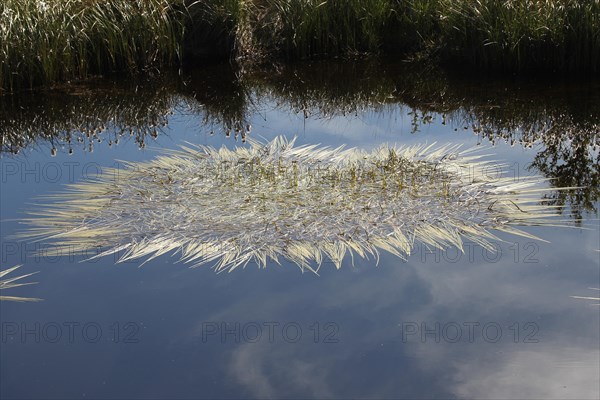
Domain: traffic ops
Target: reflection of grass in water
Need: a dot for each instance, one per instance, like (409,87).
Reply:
(83,117)
(10,283)
(305,203)
(562,120)
(326,89)
(221,98)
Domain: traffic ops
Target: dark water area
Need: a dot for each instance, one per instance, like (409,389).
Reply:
(440,324)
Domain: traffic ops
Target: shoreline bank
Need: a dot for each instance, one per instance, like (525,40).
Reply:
(59,41)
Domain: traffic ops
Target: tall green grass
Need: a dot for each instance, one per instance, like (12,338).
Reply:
(261,30)
(211,28)
(298,29)
(518,35)
(59,40)
(511,35)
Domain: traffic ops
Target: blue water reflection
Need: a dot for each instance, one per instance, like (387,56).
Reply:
(439,325)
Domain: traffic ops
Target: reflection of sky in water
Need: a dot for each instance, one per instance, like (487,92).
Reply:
(172,304)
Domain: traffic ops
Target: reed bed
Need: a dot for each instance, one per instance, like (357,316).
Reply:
(299,29)
(307,204)
(517,35)
(42,42)
(9,283)
(259,31)
(501,35)
(58,40)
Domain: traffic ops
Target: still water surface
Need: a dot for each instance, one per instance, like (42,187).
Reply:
(441,324)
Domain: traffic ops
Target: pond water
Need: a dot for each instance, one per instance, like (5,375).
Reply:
(440,324)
